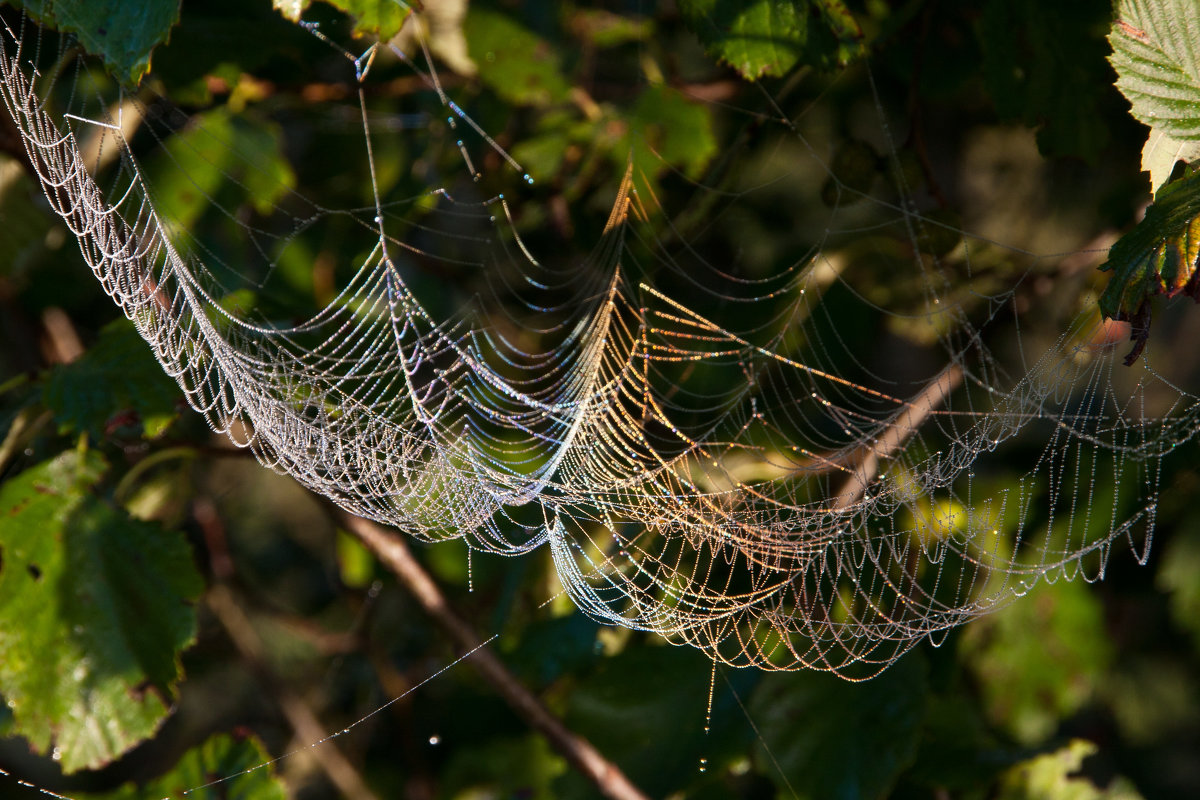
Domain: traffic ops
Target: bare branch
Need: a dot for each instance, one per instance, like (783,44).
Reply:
(392,550)
(906,423)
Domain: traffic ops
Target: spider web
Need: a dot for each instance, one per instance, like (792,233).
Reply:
(708,453)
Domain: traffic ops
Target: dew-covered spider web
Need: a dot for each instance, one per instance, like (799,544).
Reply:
(787,465)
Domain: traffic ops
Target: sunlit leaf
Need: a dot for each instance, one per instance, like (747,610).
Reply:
(1055,777)
(1157,257)
(1162,152)
(94,609)
(1156,52)
(115,384)
(121,33)
(765,38)
(220,757)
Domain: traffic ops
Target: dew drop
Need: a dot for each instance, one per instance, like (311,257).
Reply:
(435,740)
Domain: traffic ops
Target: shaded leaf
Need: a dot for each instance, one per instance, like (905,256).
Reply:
(1156,52)
(218,150)
(94,609)
(220,756)
(505,767)
(1053,777)
(1179,577)
(1039,63)
(763,38)
(836,740)
(1157,257)
(643,708)
(1040,659)
(114,384)
(517,64)
(668,130)
(121,33)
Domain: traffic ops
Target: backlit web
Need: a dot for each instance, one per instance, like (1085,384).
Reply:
(786,467)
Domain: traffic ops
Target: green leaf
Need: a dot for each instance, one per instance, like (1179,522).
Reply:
(838,740)
(1039,660)
(668,130)
(121,33)
(1054,777)
(517,64)
(644,708)
(220,756)
(382,18)
(1157,257)
(115,383)
(1156,52)
(218,151)
(94,609)
(762,38)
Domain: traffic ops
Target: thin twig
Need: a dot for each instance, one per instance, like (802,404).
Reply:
(304,723)
(395,554)
(906,423)
(300,717)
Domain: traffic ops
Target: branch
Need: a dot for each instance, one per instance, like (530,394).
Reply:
(911,418)
(392,550)
(300,717)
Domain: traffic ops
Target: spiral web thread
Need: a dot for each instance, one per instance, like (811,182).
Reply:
(791,518)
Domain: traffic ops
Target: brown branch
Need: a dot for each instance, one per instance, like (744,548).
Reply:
(395,554)
(905,424)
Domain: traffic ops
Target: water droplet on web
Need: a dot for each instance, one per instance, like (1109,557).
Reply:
(435,740)
(528,178)
(704,765)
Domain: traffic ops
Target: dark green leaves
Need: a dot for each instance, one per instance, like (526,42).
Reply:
(642,707)
(117,383)
(1157,257)
(123,34)
(839,740)
(94,609)
(767,38)
(1038,61)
